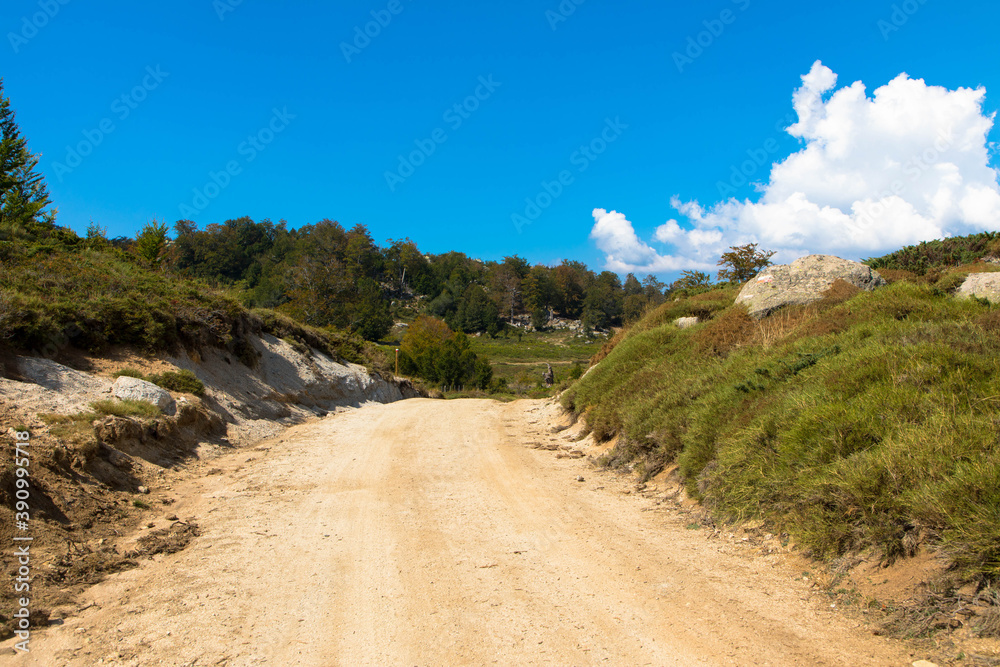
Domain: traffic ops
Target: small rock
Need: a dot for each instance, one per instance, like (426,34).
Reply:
(172,517)
(982,285)
(150,525)
(580,478)
(685,322)
(143,490)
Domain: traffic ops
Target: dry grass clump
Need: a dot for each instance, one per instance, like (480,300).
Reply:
(895,275)
(732,329)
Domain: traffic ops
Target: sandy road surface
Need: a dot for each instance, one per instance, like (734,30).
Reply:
(427,533)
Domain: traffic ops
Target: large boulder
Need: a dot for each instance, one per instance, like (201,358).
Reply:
(134,389)
(803,281)
(982,285)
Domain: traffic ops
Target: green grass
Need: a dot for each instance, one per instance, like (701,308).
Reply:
(871,423)
(90,299)
(75,431)
(521,362)
(104,408)
(545,346)
(115,408)
(183,381)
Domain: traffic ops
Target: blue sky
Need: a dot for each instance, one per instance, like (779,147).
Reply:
(308,128)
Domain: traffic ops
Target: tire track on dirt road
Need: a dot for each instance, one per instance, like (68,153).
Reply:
(427,533)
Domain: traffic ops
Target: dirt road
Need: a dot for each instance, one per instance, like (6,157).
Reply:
(428,533)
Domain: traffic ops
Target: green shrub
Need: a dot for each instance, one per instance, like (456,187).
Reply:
(938,254)
(433,352)
(950,282)
(183,381)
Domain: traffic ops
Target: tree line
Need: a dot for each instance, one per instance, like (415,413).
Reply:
(326,275)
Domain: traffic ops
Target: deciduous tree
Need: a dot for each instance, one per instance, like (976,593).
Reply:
(23,193)
(743,262)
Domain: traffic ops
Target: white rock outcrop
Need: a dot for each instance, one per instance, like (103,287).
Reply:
(803,281)
(134,389)
(285,387)
(982,285)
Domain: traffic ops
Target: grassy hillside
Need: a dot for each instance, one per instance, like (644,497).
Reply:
(55,297)
(865,421)
(521,360)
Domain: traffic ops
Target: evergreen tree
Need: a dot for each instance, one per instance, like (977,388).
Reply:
(632,285)
(151,241)
(23,193)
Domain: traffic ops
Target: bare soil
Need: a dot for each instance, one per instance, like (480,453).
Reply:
(434,533)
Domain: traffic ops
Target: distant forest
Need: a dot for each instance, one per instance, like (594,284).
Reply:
(325,275)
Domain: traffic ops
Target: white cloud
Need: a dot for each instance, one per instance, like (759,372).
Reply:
(908,164)
(625,252)
(668,232)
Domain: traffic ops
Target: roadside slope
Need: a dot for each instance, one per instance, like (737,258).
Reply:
(428,532)
(90,470)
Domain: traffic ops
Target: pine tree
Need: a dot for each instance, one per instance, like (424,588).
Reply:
(23,193)
(151,241)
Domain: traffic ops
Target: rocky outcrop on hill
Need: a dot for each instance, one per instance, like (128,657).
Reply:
(97,475)
(240,404)
(134,389)
(285,387)
(981,285)
(803,281)
(45,386)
